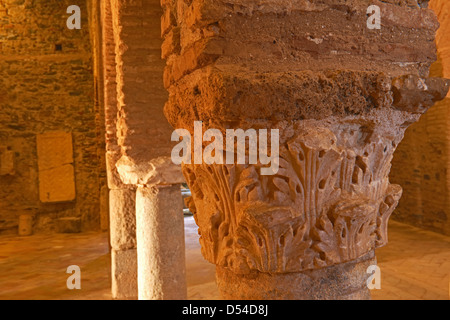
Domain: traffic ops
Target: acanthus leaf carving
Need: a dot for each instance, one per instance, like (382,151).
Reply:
(329,203)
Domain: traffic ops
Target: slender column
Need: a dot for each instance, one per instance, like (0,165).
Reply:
(160,238)
(340,95)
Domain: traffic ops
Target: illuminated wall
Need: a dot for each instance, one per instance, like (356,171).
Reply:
(47,84)
(421,163)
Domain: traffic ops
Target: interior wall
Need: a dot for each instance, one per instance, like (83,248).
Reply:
(421,163)
(47,84)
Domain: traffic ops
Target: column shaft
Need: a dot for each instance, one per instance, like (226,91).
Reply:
(123,243)
(160,243)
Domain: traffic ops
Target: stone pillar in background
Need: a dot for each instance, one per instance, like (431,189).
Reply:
(161,249)
(341,96)
(159,227)
(143,135)
(122,197)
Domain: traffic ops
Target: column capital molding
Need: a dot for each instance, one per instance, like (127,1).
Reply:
(160,171)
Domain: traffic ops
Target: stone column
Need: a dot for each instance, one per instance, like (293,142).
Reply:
(340,95)
(161,249)
(143,136)
(122,209)
(159,227)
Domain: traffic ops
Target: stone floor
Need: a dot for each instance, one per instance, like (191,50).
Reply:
(415,265)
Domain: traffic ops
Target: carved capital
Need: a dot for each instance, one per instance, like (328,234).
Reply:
(341,96)
(331,199)
(329,203)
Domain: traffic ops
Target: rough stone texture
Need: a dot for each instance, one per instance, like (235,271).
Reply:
(143,138)
(110,96)
(123,219)
(340,94)
(124,274)
(345,281)
(157,172)
(143,132)
(123,243)
(42,89)
(330,32)
(329,202)
(160,243)
(122,197)
(422,160)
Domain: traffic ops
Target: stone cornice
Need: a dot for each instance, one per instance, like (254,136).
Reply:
(217,96)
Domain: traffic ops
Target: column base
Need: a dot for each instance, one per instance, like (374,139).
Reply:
(346,281)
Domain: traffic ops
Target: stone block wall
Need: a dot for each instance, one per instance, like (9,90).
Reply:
(421,162)
(47,84)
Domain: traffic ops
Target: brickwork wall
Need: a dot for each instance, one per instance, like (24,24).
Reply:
(142,130)
(422,161)
(46,84)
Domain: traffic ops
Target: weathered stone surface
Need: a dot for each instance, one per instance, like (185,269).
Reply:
(160,243)
(140,92)
(329,202)
(122,218)
(158,171)
(144,141)
(414,94)
(347,281)
(124,274)
(268,36)
(122,197)
(54,149)
(113,177)
(220,98)
(57,184)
